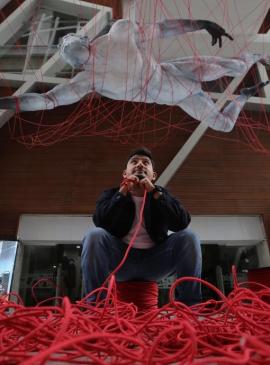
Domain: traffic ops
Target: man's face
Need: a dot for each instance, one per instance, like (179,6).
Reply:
(140,165)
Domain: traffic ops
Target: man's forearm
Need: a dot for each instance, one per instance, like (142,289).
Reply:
(177,216)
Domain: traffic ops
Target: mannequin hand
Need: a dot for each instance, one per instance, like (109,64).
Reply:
(216,31)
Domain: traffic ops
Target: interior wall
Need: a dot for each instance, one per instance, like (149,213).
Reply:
(218,177)
(224,177)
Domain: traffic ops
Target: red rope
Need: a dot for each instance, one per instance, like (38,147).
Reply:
(232,330)
(144,294)
(17,102)
(133,238)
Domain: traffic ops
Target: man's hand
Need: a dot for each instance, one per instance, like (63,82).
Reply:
(129,184)
(146,184)
(216,31)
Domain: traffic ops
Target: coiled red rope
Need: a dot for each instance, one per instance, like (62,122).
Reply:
(232,330)
(144,294)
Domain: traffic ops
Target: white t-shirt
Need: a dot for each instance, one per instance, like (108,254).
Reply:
(142,240)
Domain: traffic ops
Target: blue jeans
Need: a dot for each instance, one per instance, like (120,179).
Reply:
(180,254)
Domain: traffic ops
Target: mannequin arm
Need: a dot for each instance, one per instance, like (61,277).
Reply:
(173,27)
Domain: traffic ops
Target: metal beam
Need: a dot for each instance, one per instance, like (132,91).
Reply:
(17,20)
(36,77)
(3,3)
(80,9)
(192,141)
(55,63)
(259,42)
(181,155)
(254,102)
(264,75)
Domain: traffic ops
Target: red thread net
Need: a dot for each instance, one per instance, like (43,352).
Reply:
(137,122)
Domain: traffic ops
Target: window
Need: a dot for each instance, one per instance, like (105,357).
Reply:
(8,251)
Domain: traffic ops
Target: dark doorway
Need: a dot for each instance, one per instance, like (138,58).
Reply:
(52,271)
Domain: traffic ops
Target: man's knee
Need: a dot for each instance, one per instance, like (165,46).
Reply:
(190,240)
(188,235)
(94,239)
(94,235)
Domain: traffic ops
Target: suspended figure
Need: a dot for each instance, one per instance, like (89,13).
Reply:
(117,65)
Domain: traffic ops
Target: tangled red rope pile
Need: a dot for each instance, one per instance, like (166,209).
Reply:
(233,330)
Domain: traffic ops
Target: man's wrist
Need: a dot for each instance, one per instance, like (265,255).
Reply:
(157,192)
(123,189)
(202,24)
(124,186)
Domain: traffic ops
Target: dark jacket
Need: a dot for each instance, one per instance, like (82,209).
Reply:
(115,212)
